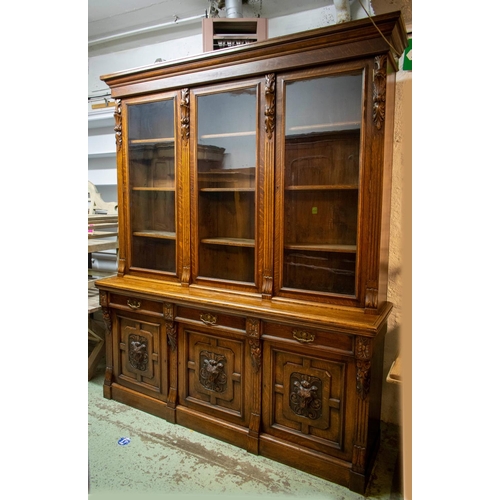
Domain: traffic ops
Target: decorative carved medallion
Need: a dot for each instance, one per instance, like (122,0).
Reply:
(270,111)
(118,124)
(138,352)
(185,114)
(362,378)
(305,395)
(212,375)
(379,87)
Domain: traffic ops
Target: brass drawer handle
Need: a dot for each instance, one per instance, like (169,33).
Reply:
(303,336)
(208,319)
(133,304)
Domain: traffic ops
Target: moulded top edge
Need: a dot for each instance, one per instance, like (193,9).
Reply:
(394,19)
(326,316)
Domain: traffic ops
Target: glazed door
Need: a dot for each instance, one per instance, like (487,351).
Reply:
(225,199)
(318,179)
(152,184)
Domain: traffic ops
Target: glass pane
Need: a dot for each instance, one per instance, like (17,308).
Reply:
(226,154)
(323,122)
(151,155)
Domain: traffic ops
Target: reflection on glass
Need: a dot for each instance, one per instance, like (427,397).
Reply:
(322,123)
(151,160)
(226,162)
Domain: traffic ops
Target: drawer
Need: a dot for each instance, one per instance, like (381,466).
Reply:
(129,303)
(210,318)
(311,337)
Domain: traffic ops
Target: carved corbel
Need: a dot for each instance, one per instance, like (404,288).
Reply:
(106,313)
(363,353)
(270,110)
(253,332)
(185,117)
(379,88)
(168,314)
(118,124)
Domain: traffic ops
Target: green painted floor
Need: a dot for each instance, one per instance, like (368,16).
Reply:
(164,461)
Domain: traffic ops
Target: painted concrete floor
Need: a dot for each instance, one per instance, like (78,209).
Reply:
(167,461)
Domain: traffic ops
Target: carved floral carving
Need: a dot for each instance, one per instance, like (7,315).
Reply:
(168,311)
(363,348)
(106,313)
(185,114)
(362,378)
(253,330)
(270,110)
(305,395)
(172,335)
(379,88)
(118,124)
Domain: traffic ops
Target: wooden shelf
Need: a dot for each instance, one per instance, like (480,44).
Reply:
(156,140)
(322,248)
(163,235)
(158,189)
(233,242)
(352,125)
(228,190)
(229,134)
(333,187)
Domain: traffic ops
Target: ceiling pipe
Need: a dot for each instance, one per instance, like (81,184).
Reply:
(147,29)
(234,8)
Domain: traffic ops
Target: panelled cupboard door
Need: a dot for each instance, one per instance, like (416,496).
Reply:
(306,398)
(140,347)
(151,157)
(226,166)
(214,373)
(320,130)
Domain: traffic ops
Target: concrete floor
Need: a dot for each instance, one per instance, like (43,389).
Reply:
(164,460)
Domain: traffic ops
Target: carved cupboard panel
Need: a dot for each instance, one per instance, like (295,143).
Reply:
(212,374)
(141,349)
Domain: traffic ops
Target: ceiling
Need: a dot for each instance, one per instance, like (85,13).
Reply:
(110,17)
(113,23)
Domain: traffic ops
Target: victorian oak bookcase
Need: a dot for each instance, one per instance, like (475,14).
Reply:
(254,186)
